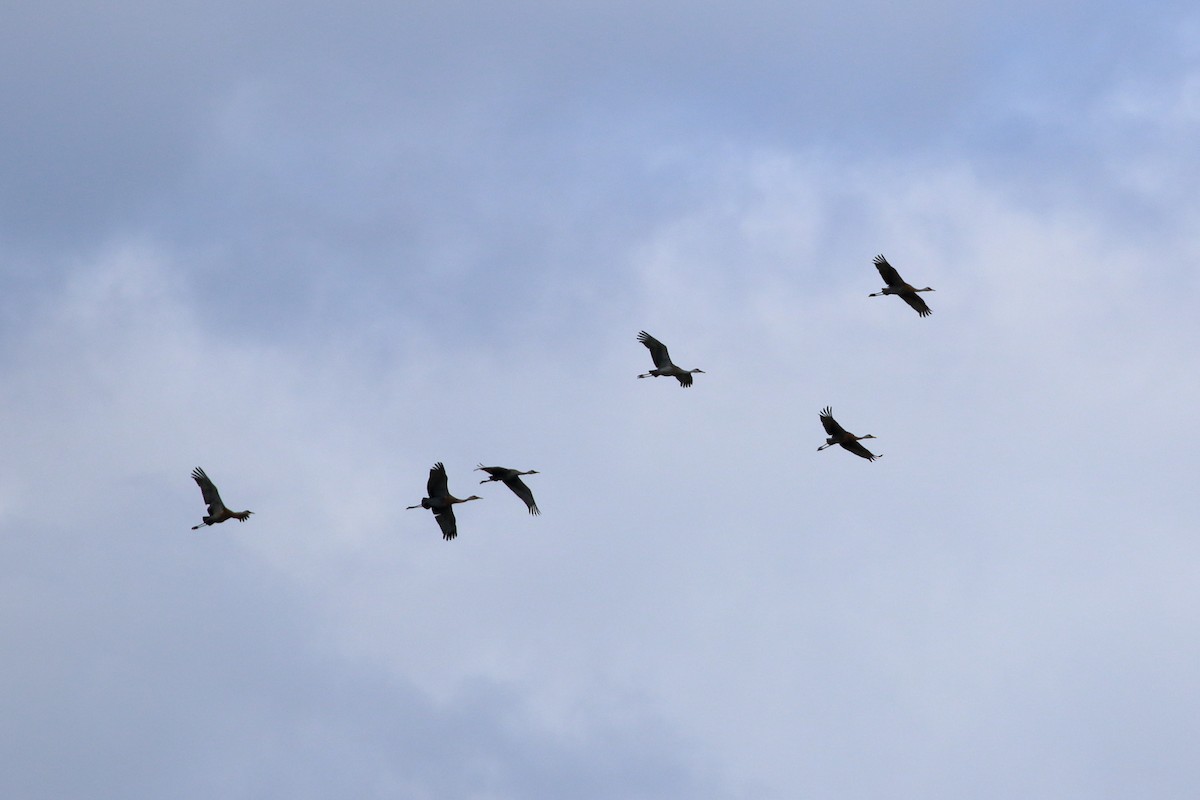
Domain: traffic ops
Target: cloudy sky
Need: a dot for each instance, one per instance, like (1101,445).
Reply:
(315,248)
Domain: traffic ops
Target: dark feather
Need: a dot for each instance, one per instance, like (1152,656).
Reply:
(445,520)
(831,426)
(439,484)
(209,491)
(916,301)
(658,350)
(888,272)
(857,448)
(522,491)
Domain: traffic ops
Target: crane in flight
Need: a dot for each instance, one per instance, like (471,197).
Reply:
(512,479)
(839,435)
(662,362)
(217,512)
(897,286)
(441,502)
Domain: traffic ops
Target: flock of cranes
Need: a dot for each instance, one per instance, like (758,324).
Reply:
(441,502)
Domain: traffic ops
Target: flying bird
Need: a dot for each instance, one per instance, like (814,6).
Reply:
(662,362)
(441,502)
(217,512)
(512,479)
(897,286)
(839,435)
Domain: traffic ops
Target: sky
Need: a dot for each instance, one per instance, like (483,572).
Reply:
(316,248)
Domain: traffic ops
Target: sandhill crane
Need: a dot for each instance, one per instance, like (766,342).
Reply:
(839,435)
(662,362)
(217,512)
(512,479)
(441,502)
(897,286)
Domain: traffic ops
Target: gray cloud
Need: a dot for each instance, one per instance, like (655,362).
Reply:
(351,244)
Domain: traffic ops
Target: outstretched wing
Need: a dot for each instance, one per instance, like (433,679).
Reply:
(684,378)
(888,272)
(857,448)
(522,491)
(211,496)
(439,484)
(658,350)
(916,301)
(831,426)
(495,472)
(445,520)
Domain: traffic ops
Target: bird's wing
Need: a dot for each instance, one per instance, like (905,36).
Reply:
(685,379)
(916,301)
(495,472)
(211,496)
(857,448)
(445,520)
(522,491)
(831,426)
(887,271)
(439,485)
(658,350)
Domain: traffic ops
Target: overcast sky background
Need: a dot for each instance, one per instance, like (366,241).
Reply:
(315,248)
